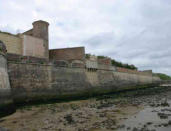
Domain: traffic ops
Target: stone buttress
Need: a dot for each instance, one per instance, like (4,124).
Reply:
(6,102)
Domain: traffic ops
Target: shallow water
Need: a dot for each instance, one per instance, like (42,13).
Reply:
(149,118)
(129,113)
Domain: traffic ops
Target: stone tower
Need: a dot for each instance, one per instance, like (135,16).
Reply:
(6,102)
(40,30)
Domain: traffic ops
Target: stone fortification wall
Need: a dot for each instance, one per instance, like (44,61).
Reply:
(26,59)
(104,61)
(99,63)
(135,77)
(41,81)
(38,79)
(5,89)
(34,42)
(13,43)
(125,70)
(68,74)
(29,32)
(105,64)
(31,81)
(33,46)
(39,30)
(77,53)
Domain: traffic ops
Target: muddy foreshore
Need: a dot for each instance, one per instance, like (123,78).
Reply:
(139,110)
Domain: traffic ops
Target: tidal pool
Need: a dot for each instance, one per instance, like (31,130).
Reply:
(156,117)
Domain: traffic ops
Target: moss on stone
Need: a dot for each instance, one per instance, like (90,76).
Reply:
(78,95)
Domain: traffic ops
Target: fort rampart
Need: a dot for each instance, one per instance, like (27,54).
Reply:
(35,79)
(29,71)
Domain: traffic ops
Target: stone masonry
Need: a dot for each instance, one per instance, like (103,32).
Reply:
(37,74)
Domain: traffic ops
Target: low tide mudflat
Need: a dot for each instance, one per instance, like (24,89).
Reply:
(143,110)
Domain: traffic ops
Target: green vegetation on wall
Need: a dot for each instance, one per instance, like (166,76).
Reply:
(87,56)
(163,76)
(102,57)
(115,63)
(120,64)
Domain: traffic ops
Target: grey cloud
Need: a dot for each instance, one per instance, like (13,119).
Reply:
(135,32)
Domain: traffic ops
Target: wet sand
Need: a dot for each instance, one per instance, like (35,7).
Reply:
(148,112)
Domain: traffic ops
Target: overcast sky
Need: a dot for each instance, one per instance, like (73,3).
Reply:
(132,31)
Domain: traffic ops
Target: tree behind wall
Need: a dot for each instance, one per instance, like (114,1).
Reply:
(163,76)
(115,63)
